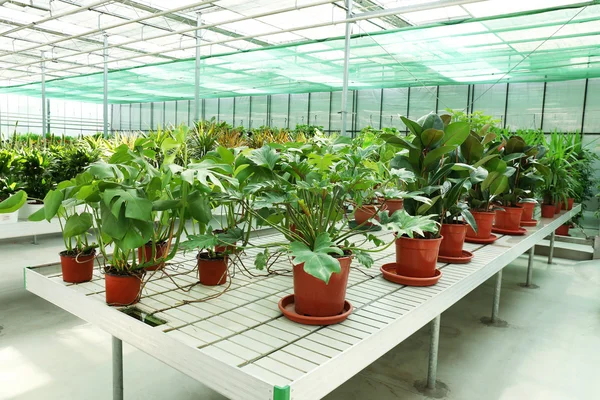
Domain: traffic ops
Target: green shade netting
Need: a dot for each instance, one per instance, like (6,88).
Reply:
(565,44)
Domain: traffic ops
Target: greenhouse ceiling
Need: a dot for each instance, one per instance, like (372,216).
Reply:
(288,46)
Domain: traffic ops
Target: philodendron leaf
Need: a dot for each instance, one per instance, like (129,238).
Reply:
(13,203)
(404,224)
(52,203)
(264,157)
(200,242)
(317,262)
(363,258)
(260,262)
(77,224)
(37,216)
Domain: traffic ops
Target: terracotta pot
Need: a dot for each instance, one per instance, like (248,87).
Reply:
(508,218)
(484,221)
(569,205)
(563,230)
(417,258)
(366,212)
(229,249)
(145,255)
(212,271)
(548,210)
(454,239)
(557,207)
(528,209)
(393,205)
(77,269)
(122,290)
(314,297)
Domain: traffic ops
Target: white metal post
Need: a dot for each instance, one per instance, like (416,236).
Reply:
(530,267)
(346,67)
(44,115)
(117,355)
(496,305)
(105,98)
(551,252)
(433,352)
(197,69)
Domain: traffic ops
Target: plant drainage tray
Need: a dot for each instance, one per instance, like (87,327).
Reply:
(389,273)
(286,305)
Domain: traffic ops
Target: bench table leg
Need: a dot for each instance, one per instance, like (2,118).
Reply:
(551,251)
(117,356)
(433,352)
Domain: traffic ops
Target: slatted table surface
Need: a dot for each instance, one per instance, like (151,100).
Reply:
(238,342)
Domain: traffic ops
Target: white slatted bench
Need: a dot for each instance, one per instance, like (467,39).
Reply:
(240,345)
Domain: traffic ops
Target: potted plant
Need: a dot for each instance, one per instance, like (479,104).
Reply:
(10,204)
(77,260)
(33,167)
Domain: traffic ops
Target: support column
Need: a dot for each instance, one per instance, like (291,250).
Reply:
(551,252)
(44,114)
(432,387)
(528,283)
(346,67)
(117,355)
(105,99)
(495,320)
(197,69)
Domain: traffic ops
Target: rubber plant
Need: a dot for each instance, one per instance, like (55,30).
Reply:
(77,260)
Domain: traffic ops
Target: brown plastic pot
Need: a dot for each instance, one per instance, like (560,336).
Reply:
(393,205)
(366,212)
(314,297)
(484,221)
(548,210)
(454,239)
(229,249)
(145,255)
(528,209)
(77,269)
(212,271)
(563,230)
(122,290)
(508,218)
(569,205)
(557,207)
(417,258)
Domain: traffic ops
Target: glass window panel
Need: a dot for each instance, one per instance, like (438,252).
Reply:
(453,97)
(115,121)
(182,112)
(368,108)
(125,121)
(491,99)
(524,109)
(147,117)
(564,106)
(591,124)
(258,112)
(319,109)
(242,112)
(34,110)
(395,102)
(422,101)
(336,114)
(226,110)
(170,113)
(279,110)
(136,121)
(298,109)
(211,109)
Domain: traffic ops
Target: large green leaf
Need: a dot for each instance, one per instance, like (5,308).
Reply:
(472,149)
(37,216)
(264,157)
(485,160)
(404,224)
(77,224)
(398,141)
(435,155)
(455,134)
(431,121)
(199,207)
(201,242)
(13,203)
(429,137)
(136,207)
(317,261)
(413,126)
(52,203)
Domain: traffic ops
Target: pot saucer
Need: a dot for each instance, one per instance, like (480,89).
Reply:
(368,227)
(475,240)
(389,273)
(533,222)
(518,232)
(286,306)
(466,257)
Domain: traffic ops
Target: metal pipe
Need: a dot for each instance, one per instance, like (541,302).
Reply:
(346,67)
(197,70)
(530,266)
(117,356)
(433,352)
(43,67)
(105,98)
(551,253)
(496,306)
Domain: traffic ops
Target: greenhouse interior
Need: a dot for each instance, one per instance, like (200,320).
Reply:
(277,200)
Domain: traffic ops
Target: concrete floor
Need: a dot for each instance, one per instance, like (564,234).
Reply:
(550,349)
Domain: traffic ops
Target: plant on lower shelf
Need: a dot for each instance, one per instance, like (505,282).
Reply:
(77,260)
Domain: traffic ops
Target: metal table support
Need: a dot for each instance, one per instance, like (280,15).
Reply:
(433,352)
(117,355)
(551,252)
(530,267)
(496,305)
